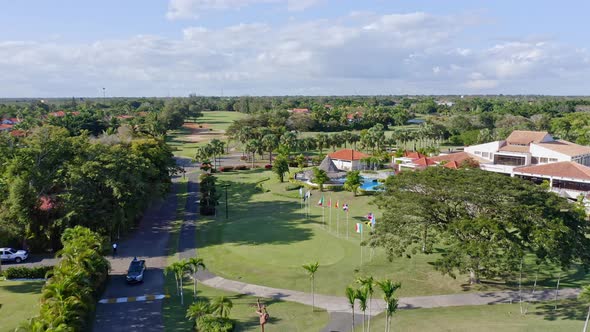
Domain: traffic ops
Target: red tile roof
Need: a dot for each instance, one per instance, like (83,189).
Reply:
(58,114)
(348,154)
(413,155)
(424,161)
(526,137)
(452,165)
(123,117)
(565,147)
(352,116)
(18,133)
(300,110)
(564,169)
(75,113)
(459,157)
(46,203)
(6,126)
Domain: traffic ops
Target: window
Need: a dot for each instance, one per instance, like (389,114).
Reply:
(485,154)
(509,160)
(478,152)
(552,160)
(544,160)
(534,160)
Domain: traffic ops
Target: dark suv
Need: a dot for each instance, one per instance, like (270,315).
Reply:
(136,271)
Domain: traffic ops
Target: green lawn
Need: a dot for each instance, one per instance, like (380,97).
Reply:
(19,301)
(285,316)
(220,120)
(501,317)
(267,238)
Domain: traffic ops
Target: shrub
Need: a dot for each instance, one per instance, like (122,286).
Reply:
(267,166)
(293,186)
(22,272)
(241,168)
(215,324)
(244,158)
(226,168)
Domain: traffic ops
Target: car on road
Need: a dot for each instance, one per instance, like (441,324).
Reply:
(10,254)
(136,271)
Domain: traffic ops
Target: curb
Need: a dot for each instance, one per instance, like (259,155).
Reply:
(133,299)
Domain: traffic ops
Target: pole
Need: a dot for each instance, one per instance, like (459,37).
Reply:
(338,223)
(323,216)
(347,228)
(330,206)
(361,244)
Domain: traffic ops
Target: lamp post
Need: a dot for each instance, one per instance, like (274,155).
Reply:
(226,205)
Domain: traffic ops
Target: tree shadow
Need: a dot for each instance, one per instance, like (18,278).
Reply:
(569,309)
(27,287)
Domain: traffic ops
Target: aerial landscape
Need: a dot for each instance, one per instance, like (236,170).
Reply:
(294,165)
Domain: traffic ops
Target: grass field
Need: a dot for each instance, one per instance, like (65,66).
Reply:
(19,301)
(285,316)
(181,141)
(541,317)
(267,238)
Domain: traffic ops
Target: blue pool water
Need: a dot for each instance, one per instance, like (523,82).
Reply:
(367,185)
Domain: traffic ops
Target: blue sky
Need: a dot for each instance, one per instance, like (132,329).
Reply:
(288,47)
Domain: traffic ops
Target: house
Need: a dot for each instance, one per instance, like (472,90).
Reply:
(415,160)
(526,148)
(6,127)
(58,114)
(348,159)
(567,178)
(356,116)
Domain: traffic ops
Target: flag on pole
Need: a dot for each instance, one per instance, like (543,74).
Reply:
(373,221)
(345,207)
(330,202)
(336,206)
(307,195)
(370,216)
(300,192)
(321,201)
(359,227)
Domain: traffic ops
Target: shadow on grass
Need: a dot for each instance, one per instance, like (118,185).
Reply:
(566,309)
(31,287)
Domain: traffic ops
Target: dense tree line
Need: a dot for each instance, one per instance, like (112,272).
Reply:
(50,181)
(484,223)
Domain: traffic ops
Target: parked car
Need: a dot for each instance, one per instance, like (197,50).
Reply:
(9,254)
(136,271)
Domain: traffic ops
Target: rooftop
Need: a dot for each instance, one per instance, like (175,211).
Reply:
(567,148)
(348,154)
(564,169)
(527,137)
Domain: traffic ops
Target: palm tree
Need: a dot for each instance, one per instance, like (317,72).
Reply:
(367,284)
(311,269)
(361,295)
(354,138)
(252,146)
(197,310)
(585,297)
(351,297)
(179,269)
(269,142)
(353,181)
(222,306)
(388,288)
(323,141)
(289,140)
(194,264)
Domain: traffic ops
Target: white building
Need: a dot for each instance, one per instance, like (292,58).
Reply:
(347,159)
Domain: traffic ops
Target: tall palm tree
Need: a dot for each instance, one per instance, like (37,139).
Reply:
(388,288)
(351,297)
(222,306)
(269,142)
(585,297)
(361,295)
(354,138)
(323,141)
(311,269)
(252,146)
(194,264)
(367,284)
(179,269)
(289,140)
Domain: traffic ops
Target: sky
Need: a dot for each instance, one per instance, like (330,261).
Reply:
(66,48)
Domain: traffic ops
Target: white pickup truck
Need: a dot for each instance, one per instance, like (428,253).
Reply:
(9,254)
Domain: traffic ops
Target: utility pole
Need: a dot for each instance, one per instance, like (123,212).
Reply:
(104,94)
(226,203)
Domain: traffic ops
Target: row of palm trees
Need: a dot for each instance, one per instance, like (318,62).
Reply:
(72,288)
(364,293)
(211,316)
(213,149)
(180,269)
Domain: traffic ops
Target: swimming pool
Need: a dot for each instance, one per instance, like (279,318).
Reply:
(368,184)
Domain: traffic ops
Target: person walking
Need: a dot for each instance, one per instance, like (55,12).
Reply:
(115,249)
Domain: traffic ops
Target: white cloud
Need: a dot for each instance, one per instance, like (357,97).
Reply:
(368,53)
(192,9)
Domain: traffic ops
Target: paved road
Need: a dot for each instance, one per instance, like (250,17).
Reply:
(149,242)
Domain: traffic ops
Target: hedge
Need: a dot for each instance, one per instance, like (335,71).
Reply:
(293,186)
(22,272)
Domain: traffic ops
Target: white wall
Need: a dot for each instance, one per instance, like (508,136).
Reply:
(490,148)
(346,164)
(541,152)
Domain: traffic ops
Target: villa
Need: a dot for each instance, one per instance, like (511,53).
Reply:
(348,159)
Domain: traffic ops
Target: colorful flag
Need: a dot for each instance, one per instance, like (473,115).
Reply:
(321,201)
(345,207)
(359,227)
(373,221)
(330,202)
(307,195)
(370,215)
(301,192)
(336,206)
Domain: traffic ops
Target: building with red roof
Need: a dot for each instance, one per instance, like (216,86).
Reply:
(348,159)
(58,114)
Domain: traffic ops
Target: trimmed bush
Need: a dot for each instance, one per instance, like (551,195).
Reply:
(226,169)
(241,168)
(22,272)
(267,166)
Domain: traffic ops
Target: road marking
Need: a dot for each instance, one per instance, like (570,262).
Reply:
(133,299)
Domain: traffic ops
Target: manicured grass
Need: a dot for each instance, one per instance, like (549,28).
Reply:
(19,301)
(220,120)
(541,317)
(285,316)
(267,238)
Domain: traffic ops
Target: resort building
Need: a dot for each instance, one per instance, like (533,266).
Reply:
(348,159)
